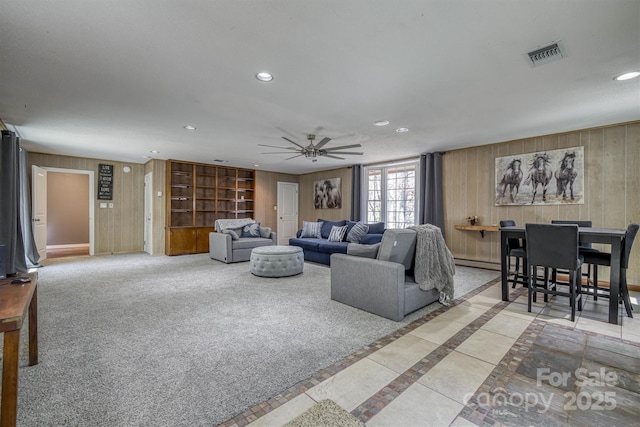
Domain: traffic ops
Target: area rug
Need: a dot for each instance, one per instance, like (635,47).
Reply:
(325,413)
(139,340)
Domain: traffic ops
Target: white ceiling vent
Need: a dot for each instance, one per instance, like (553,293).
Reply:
(544,55)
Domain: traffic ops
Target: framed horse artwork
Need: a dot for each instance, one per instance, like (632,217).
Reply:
(551,177)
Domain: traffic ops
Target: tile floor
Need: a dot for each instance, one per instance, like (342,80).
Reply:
(483,362)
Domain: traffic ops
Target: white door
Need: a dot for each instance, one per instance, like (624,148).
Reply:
(39,209)
(287,211)
(148,213)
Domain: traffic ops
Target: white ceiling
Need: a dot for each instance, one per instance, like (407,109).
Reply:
(116,79)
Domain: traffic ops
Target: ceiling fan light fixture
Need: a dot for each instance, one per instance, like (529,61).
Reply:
(264,76)
(381,122)
(402,130)
(627,76)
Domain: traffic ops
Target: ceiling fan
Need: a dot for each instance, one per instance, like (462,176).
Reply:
(313,151)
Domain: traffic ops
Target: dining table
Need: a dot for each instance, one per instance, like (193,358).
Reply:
(612,237)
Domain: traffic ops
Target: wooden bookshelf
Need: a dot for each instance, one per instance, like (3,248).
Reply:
(197,195)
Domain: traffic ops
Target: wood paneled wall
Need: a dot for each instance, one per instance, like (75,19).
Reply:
(266,196)
(119,229)
(612,189)
(307,212)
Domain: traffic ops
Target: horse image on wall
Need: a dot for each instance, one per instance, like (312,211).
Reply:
(551,177)
(327,194)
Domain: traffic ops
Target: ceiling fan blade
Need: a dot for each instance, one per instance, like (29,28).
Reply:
(279,152)
(343,147)
(344,152)
(293,157)
(275,146)
(323,142)
(294,143)
(333,157)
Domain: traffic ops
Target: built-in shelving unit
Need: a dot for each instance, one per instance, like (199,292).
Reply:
(198,194)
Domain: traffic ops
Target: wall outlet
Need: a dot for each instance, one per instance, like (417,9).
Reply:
(159,193)
(110,205)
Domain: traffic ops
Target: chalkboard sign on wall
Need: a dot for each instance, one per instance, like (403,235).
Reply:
(105,182)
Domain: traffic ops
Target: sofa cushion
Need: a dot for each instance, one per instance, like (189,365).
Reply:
(370,239)
(327,247)
(376,228)
(250,243)
(232,232)
(327,225)
(311,229)
(251,230)
(365,251)
(308,244)
(398,245)
(356,233)
(265,232)
(337,233)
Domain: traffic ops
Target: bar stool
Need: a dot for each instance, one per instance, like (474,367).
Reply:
(582,247)
(518,251)
(602,258)
(554,247)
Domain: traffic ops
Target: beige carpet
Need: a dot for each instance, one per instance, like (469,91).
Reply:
(325,413)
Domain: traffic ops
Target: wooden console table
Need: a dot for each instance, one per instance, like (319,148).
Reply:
(480,228)
(15,301)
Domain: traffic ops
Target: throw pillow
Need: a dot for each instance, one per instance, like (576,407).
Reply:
(337,233)
(232,233)
(326,226)
(265,232)
(376,228)
(251,230)
(311,229)
(364,251)
(356,233)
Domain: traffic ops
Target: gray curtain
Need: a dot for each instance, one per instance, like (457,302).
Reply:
(30,250)
(356,193)
(432,203)
(10,226)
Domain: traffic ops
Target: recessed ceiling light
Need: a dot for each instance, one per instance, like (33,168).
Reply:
(189,127)
(154,151)
(381,122)
(264,77)
(401,130)
(627,76)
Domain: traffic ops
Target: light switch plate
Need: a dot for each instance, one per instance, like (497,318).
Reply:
(103,205)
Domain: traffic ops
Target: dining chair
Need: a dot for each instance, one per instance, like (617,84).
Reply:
(554,246)
(582,247)
(602,258)
(518,251)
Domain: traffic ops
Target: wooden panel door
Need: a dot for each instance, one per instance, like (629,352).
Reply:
(181,241)
(202,239)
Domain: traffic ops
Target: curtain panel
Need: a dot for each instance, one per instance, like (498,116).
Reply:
(356,193)
(432,203)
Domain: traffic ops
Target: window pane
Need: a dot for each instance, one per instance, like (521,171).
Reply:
(391,195)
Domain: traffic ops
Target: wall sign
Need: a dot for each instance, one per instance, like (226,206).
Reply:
(105,182)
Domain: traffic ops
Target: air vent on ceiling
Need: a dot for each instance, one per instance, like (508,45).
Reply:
(544,55)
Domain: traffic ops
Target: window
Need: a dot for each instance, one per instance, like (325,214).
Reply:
(391,194)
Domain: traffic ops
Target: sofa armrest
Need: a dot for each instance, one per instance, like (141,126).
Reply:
(368,284)
(220,247)
(274,237)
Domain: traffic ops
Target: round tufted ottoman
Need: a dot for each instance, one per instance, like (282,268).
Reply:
(277,261)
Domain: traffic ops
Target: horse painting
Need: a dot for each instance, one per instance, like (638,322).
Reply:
(566,175)
(512,178)
(539,175)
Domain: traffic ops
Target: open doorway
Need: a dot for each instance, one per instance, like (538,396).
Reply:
(68,212)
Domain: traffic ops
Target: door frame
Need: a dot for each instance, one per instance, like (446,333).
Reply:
(148,209)
(92,196)
(282,184)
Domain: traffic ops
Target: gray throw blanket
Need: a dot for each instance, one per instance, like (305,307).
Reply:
(434,265)
(223,224)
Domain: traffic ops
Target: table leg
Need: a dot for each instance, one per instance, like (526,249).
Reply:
(10,356)
(33,329)
(614,281)
(503,267)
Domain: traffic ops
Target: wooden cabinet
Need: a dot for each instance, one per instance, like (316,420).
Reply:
(197,195)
